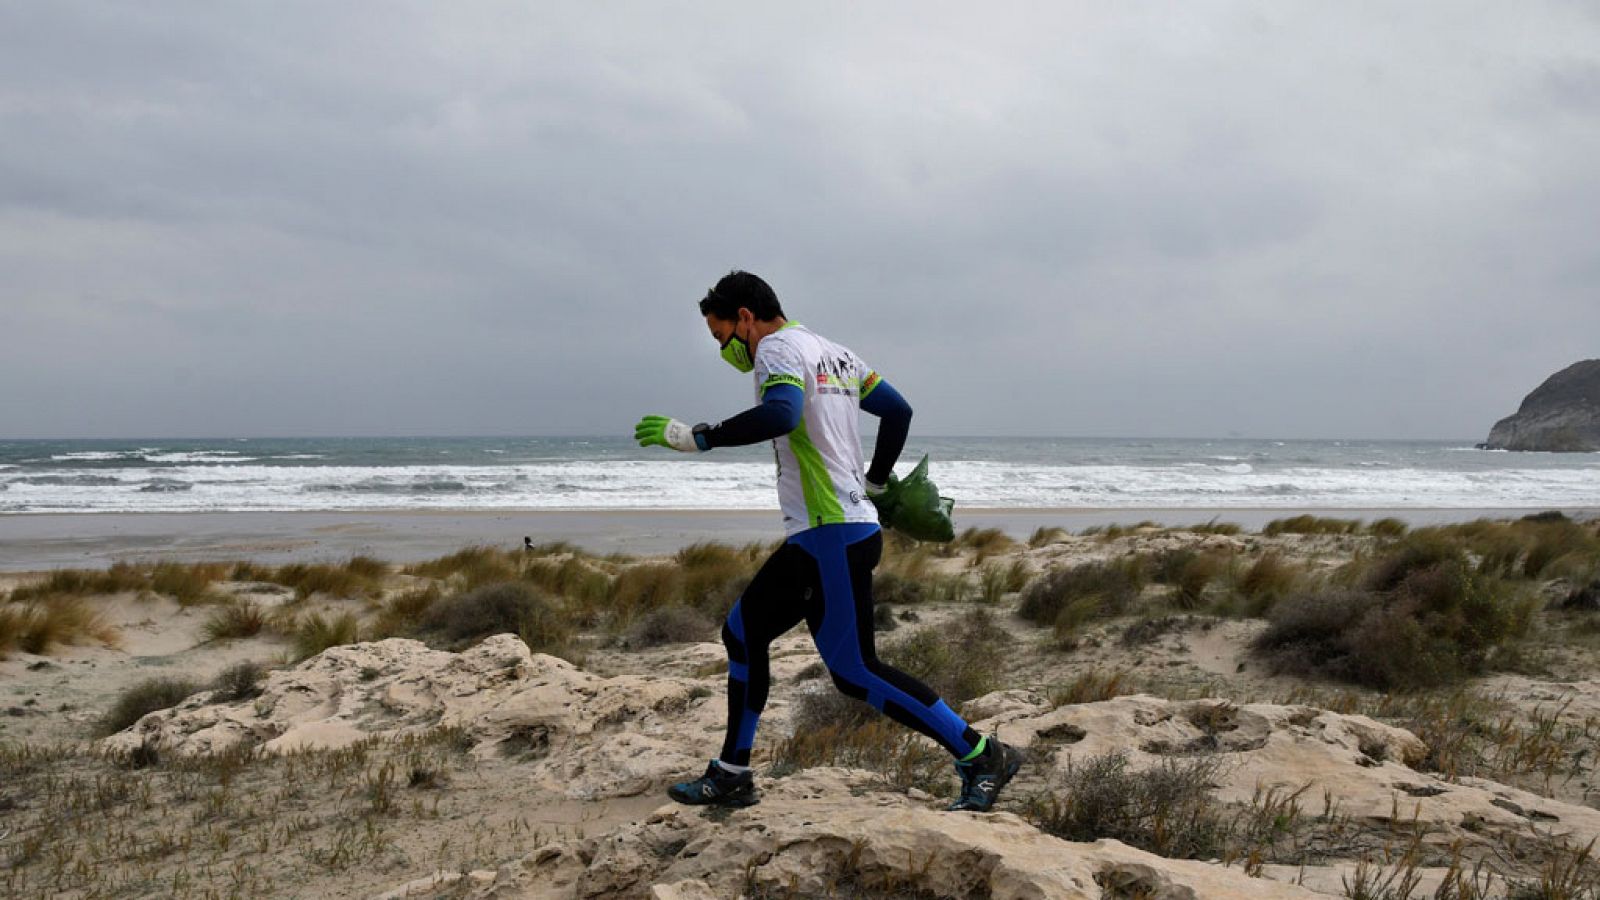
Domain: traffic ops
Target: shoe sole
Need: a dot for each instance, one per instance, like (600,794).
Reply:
(736,801)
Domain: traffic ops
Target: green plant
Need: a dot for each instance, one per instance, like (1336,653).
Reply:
(957,664)
(1308,524)
(141,699)
(670,625)
(315,633)
(236,619)
(1109,587)
(515,607)
(240,681)
(1092,686)
(1167,809)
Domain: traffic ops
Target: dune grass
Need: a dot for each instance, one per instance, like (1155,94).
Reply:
(314,633)
(235,619)
(141,699)
(41,624)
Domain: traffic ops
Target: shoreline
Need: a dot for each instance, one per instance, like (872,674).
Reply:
(40,541)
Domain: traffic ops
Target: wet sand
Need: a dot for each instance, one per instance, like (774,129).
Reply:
(31,542)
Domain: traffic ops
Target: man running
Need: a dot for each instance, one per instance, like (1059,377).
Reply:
(808,390)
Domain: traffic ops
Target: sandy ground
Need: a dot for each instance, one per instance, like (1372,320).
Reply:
(33,542)
(57,698)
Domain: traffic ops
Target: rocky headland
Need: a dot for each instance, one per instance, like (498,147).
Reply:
(1561,415)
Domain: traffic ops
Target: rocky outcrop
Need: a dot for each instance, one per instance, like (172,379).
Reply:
(843,832)
(1561,415)
(826,833)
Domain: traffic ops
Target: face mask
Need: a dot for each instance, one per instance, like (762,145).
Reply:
(737,353)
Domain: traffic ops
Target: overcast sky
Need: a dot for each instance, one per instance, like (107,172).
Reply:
(1270,219)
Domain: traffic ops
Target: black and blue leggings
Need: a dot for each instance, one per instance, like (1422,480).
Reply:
(824,576)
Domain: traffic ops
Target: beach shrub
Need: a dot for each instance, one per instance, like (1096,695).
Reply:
(1168,809)
(1267,580)
(1388,527)
(1092,686)
(120,577)
(314,633)
(471,567)
(1309,524)
(995,580)
(188,585)
(957,663)
(889,587)
(1421,615)
(1104,589)
(402,613)
(512,607)
(141,699)
(235,619)
(240,681)
(670,625)
(572,577)
(40,624)
(1045,535)
(309,579)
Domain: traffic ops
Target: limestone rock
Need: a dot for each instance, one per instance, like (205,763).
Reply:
(583,735)
(1562,414)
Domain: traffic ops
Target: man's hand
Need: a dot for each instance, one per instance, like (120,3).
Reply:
(886,497)
(665,431)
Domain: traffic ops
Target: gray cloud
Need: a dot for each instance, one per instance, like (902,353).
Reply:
(1279,220)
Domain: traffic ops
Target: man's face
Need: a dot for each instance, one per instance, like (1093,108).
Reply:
(723,329)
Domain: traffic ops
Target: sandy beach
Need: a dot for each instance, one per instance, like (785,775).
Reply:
(34,542)
(394,760)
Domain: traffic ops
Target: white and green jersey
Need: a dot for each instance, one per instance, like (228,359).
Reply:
(821,476)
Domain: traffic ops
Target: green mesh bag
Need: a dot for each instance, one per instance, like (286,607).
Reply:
(913,507)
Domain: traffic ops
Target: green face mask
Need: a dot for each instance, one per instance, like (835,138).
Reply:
(737,353)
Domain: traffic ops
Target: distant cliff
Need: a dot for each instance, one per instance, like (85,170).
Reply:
(1563,414)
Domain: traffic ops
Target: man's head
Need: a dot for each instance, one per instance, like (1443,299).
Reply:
(741,309)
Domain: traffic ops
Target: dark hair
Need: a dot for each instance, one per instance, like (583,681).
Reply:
(739,290)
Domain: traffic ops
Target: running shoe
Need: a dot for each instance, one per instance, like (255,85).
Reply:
(983,778)
(718,787)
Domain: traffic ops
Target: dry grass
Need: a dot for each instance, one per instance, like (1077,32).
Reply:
(1092,687)
(141,699)
(956,661)
(671,625)
(1307,524)
(1068,596)
(512,607)
(40,624)
(1168,809)
(358,577)
(314,633)
(239,823)
(236,619)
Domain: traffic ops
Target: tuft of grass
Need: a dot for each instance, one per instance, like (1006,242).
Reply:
(572,577)
(956,663)
(404,612)
(188,585)
(1308,524)
(315,633)
(1388,527)
(1168,809)
(471,567)
(1214,527)
(308,579)
(512,607)
(995,580)
(1268,580)
(240,681)
(984,542)
(1045,535)
(236,619)
(889,587)
(1092,686)
(40,624)
(670,625)
(119,578)
(1089,590)
(141,699)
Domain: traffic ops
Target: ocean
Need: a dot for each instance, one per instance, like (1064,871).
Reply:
(283,474)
